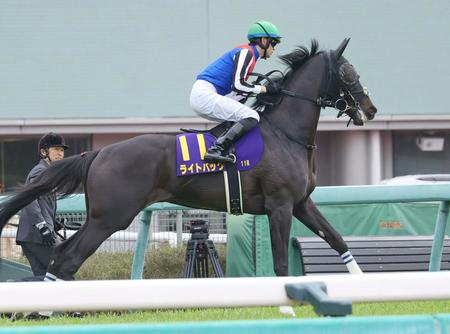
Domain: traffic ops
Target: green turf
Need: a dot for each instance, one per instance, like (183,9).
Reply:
(254,313)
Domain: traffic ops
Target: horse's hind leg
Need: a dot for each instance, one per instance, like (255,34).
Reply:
(311,217)
(70,255)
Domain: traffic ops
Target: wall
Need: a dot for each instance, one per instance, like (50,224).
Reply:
(111,58)
(344,158)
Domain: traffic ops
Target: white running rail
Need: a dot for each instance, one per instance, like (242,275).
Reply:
(215,292)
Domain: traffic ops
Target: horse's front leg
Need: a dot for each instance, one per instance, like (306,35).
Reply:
(310,216)
(280,220)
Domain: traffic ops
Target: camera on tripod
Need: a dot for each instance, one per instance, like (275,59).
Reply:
(199,229)
(199,250)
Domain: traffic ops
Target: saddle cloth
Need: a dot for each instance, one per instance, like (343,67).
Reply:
(191,149)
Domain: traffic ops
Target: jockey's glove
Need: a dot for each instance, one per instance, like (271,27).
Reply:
(273,88)
(47,236)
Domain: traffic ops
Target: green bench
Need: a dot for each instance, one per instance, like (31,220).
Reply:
(373,254)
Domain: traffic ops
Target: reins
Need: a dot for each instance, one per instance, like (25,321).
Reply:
(340,104)
(320,101)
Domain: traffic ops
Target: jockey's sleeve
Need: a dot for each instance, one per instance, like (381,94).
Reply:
(242,63)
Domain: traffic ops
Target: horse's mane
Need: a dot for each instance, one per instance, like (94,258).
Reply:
(299,56)
(294,60)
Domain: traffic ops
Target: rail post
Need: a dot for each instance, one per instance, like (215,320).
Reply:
(137,268)
(439,234)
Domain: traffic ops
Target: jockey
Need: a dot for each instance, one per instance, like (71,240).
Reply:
(220,87)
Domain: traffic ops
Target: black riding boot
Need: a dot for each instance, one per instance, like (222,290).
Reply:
(224,142)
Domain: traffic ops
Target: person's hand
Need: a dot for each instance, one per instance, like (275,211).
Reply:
(273,88)
(47,236)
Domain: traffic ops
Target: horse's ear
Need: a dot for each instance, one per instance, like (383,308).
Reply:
(340,49)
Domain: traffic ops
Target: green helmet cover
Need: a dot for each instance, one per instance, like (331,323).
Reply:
(263,29)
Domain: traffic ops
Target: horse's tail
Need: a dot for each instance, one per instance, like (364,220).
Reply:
(63,176)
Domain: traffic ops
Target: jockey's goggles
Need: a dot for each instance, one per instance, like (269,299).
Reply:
(274,42)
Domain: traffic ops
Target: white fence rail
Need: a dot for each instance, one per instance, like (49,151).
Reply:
(215,292)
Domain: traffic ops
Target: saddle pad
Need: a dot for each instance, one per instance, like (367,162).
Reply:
(191,149)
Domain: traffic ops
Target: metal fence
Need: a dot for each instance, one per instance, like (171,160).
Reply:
(168,228)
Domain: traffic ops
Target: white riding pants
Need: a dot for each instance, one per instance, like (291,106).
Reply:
(208,104)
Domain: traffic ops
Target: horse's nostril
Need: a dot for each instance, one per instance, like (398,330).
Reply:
(371,112)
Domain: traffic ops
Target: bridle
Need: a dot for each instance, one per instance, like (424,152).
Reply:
(345,103)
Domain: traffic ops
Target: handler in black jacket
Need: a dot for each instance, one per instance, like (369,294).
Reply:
(37,225)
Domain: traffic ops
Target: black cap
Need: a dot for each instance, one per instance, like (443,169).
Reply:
(51,139)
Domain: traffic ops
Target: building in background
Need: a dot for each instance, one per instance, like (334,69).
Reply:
(100,72)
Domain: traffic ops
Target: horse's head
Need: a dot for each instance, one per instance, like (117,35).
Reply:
(338,87)
(344,90)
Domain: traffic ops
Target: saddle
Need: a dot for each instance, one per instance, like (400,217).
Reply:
(215,131)
(192,144)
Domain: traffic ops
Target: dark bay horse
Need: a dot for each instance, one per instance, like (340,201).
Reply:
(123,178)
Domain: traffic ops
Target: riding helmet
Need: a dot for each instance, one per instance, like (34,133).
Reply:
(263,29)
(51,139)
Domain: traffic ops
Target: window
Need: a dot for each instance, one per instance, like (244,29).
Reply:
(409,158)
(19,155)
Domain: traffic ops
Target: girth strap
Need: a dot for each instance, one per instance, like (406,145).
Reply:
(233,189)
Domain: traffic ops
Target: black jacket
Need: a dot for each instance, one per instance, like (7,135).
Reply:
(41,209)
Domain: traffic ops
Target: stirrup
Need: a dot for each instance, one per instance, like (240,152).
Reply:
(220,158)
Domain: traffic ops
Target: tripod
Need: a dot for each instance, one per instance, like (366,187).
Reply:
(199,249)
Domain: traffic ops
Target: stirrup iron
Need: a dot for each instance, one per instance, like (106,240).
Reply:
(231,158)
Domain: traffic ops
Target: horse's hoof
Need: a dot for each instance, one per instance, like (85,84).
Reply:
(38,315)
(288,310)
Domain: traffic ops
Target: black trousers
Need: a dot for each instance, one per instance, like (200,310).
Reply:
(38,256)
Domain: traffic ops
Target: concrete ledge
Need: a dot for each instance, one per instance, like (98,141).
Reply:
(328,122)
